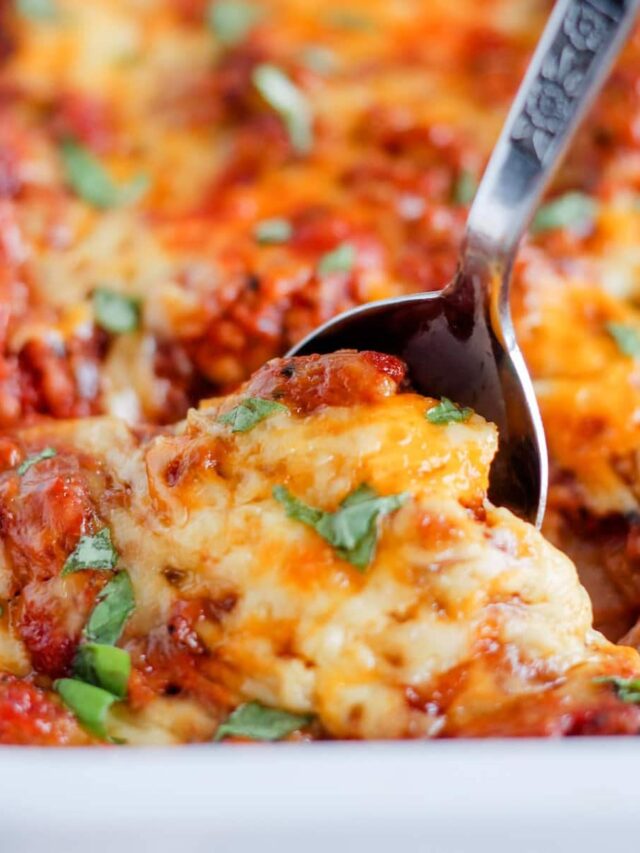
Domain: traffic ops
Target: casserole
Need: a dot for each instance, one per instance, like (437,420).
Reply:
(187,189)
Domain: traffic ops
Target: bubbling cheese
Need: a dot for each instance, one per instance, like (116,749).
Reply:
(464,615)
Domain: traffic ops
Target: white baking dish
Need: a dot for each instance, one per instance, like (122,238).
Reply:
(519,796)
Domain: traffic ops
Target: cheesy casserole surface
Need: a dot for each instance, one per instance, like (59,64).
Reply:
(332,556)
(202,540)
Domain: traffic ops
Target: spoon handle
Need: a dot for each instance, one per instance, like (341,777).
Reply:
(577,48)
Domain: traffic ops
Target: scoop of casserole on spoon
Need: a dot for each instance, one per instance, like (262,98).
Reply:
(459,342)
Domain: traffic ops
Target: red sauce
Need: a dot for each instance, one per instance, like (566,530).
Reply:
(34,717)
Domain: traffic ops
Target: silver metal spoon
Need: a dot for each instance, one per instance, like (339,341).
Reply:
(459,342)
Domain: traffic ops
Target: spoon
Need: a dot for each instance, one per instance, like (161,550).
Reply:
(459,342)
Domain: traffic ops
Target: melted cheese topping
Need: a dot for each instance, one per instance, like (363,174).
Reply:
(458,593)
(149,88)
(590,405)
(407,99)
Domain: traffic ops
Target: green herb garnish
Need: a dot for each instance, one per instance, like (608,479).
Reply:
(320,59)
(114,312)
(24,466)
(98,662)
(249,413)
(465,187)
(92,552)
(628,689)
(289,102)
(101,669)
(115,604)
(90,704)
(626,337)
(573,210)
(274,230)
(88,178)
(447,412)
(352,529)
(232,20)
(104,666)
(340,259)
(258,722)
(37,10)
(348,19)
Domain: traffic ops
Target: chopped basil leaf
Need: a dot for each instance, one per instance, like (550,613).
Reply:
(257,722)
(348,19)
(628,689)
(447,412)
(39,10)
(90,704)
(295,508)
(98,663)
(232,20)
(626,337)
(104,666)
(320,59)
(249,413)
(87,177)
(115,312)
(24,466)
(572,210)
(273,231)
(115,604)
(465,187)
(340,259)
(289,102)
(351,529)
(92,552)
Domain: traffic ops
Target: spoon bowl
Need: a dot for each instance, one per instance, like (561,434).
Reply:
(459,342)
(451,351)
